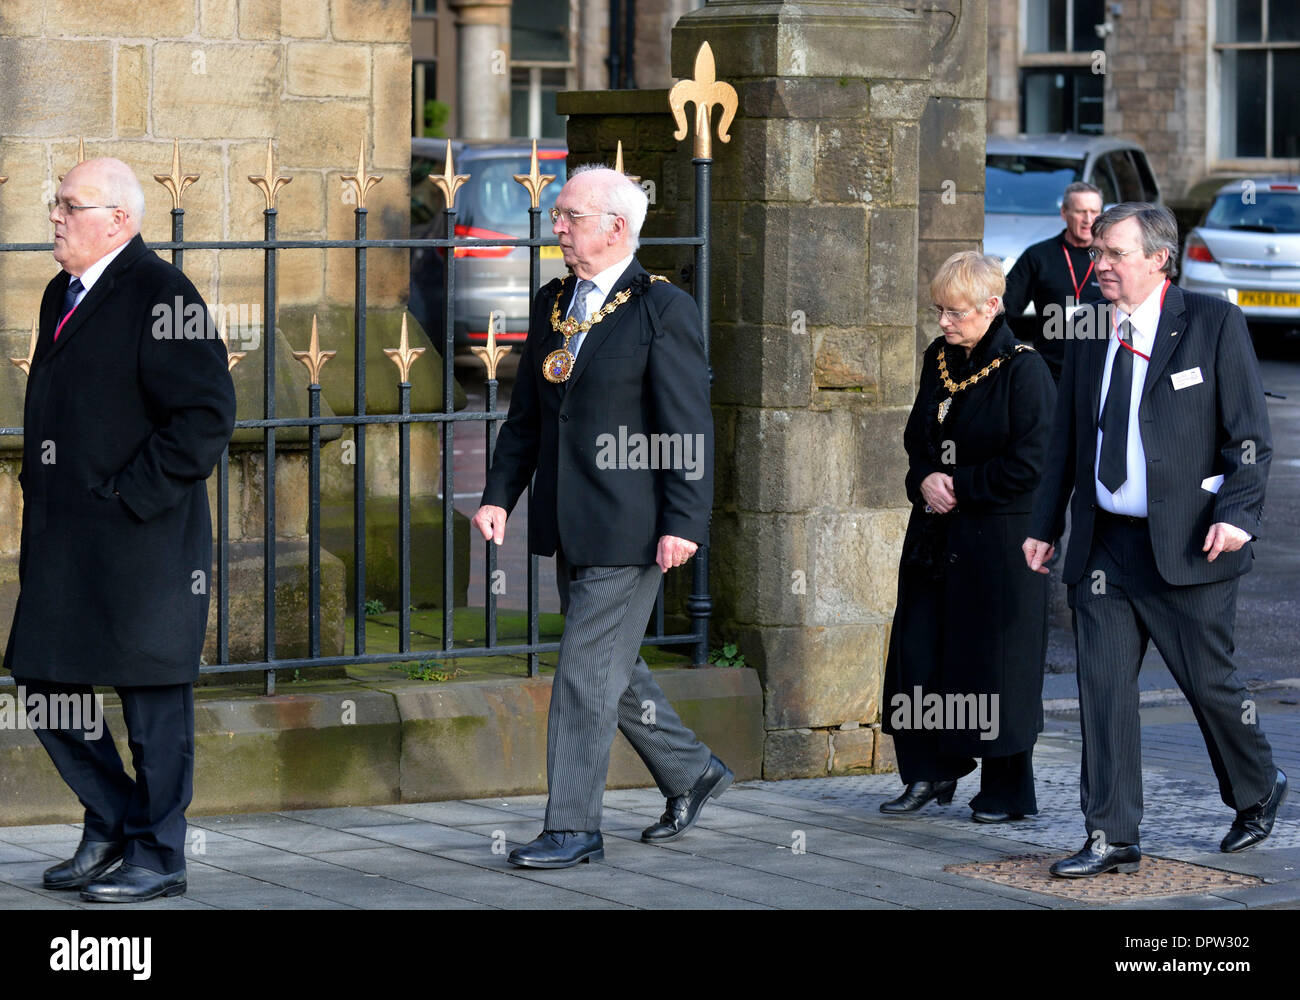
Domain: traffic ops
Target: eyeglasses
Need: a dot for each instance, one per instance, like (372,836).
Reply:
(952,314)
(1110,256)
(67,207)
(570,216)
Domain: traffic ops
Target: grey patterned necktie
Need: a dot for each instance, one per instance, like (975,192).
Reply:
(579,311)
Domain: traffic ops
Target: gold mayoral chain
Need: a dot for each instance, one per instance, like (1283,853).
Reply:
(558,365)
(956,387)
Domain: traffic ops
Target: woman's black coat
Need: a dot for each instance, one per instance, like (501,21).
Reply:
(971,617)
(124,419)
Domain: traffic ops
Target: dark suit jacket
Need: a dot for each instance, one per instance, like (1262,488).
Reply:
(121,429)
(641,374)
(1217,427)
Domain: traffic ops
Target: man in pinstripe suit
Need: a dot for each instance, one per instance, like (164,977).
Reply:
(625,365)
(1161,433)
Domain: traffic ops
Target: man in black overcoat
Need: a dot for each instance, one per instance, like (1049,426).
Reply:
(1161,433)
(124,420)
(611,411)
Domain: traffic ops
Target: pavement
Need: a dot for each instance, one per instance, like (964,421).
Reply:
(800,844)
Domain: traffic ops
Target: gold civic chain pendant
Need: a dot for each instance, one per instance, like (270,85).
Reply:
(558,365)
(956,387)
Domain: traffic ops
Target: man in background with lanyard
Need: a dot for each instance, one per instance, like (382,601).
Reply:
(1161,434)
(1058,276)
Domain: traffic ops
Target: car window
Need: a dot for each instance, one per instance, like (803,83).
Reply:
(1127,182)
(495,200)
(427,201)
(1101,178)
(1255,211)
(1150,192)
(1027,185)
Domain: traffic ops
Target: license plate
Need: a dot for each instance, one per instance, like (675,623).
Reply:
(551,253)
(1276,300)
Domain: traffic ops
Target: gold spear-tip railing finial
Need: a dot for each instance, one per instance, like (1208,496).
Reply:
(269,183)
(314,358)
(450,181)
(26,363)
(705,91)
(492,354)
(534,180)
(232,357)
(618,164)
(361,182)
(404,354)
(176,182)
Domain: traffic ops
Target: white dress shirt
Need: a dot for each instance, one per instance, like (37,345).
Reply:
(96,270)
(1131,497)
(604,282)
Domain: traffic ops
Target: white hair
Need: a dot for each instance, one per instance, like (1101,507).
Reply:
(120,187)
(618,194)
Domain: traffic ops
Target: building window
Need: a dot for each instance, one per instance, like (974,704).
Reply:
(1062,25)
(1258,48)
(1066,99)
(541,59)
(1060,88)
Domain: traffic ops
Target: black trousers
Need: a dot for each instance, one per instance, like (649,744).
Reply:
(148,812)
(1120,605)
(1006,783)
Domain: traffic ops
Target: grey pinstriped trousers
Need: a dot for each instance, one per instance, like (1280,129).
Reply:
(602,683)
(1119,605)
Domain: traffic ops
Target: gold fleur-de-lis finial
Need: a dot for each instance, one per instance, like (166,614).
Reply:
(618,164)
(492,354)
(534,180)
(362,182)
(176,182)
(404,354)
(705,91)
(232,357)
(450,181)
(26,363)
(314,358)
(81,154)
(269,183)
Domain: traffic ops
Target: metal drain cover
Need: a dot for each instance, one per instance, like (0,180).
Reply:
(1156,877)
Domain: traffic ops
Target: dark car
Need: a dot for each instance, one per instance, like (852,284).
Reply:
(491,282)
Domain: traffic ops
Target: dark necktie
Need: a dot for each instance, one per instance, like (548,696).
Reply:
(1113,470)
(579,311)
(70,296)
(69,303)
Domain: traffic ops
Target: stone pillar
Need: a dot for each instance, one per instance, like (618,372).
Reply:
(855,167)
(483,53)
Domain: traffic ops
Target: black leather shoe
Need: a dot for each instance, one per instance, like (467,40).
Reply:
(91,860)
(918,793)
(1090,861)
(559,849)
(133,884)
(682,811)
(1255,824)
(982,816)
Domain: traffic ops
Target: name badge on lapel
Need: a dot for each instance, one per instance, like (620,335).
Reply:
(1192,376)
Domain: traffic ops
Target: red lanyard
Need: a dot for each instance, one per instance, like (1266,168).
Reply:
(1078,286)
(1114,325)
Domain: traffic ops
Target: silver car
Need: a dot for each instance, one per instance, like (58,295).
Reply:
(1025,175)
(491,281)
(1247,249)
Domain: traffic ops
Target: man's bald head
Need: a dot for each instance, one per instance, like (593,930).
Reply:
(99,206)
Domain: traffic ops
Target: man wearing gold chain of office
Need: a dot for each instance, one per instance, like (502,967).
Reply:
(611,354)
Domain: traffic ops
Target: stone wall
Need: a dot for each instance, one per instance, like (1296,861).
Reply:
(325,82)
(855,167)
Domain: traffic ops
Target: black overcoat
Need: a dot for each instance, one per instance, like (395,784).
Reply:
(971,617)
(622,451)
(124,420)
